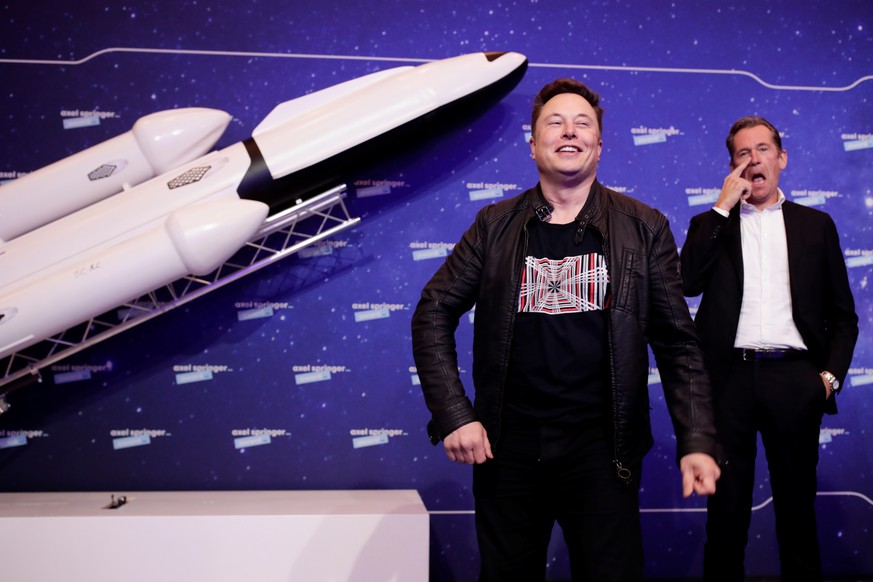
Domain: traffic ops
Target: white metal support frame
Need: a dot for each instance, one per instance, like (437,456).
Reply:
(281,235)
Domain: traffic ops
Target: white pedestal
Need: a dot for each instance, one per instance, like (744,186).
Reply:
(263,536)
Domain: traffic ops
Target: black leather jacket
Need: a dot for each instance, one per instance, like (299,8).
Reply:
(646,306)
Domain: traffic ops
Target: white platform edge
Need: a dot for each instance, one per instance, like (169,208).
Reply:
(281,536)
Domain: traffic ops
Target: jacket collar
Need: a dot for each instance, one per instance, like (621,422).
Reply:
(541,207)
(591,213)
(542,210)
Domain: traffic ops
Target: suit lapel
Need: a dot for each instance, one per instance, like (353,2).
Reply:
(793,236)
(735,246)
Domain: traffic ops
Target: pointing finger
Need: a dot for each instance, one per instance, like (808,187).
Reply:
(739,169)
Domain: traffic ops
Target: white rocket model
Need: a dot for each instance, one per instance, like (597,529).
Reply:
(55,274)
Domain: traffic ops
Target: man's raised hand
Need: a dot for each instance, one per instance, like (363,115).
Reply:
(735,188)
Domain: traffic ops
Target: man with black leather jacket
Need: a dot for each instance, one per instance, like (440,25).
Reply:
(571,282)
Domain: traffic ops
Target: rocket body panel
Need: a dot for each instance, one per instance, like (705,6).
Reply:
(61,188)
(304,105)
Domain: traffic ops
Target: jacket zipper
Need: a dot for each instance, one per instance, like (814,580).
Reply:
(623,473)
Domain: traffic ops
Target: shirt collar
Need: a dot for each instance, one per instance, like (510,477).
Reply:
(745,207)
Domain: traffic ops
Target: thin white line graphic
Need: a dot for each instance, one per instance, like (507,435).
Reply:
(677,70)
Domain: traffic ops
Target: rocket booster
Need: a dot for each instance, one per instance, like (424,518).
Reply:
(155,144)
(196,240)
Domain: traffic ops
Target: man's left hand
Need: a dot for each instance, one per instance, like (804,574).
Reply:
(699,474)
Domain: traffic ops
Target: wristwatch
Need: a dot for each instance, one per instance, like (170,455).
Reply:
(832,380)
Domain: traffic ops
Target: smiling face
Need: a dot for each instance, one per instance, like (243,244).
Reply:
(766,161)
(566,143)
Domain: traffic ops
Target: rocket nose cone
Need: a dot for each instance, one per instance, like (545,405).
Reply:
(206,235)
(174,137)
(511,57)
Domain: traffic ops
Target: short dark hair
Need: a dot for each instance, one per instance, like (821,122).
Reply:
(751,121)
(560,86)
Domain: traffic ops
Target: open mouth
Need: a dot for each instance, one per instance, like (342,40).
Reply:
(569,148)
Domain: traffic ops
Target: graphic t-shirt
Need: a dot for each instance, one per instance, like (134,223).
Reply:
(558,356)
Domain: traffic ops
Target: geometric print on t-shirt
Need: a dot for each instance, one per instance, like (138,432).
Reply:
(568,285)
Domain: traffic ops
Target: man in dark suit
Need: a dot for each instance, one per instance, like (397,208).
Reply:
(778,325)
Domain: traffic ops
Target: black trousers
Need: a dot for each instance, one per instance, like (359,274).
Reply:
(544,475)
(784,401)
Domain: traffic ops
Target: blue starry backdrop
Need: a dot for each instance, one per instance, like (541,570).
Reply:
(320,392)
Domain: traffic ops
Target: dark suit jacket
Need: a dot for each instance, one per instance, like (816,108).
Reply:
(821,300)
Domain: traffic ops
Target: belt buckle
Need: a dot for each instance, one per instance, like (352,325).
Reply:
(746,353)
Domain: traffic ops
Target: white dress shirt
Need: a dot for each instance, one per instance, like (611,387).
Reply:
(765,315)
